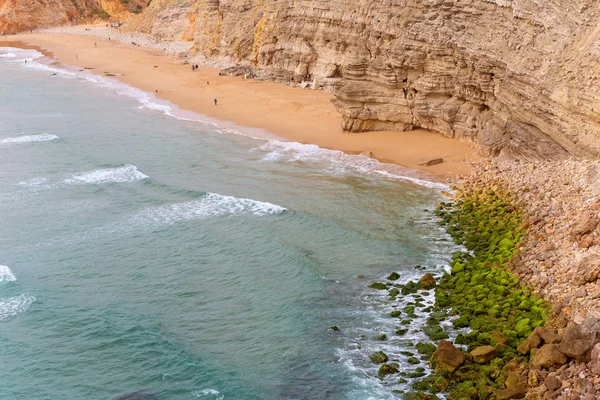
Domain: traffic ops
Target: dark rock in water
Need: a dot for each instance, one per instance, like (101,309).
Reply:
(387,369)
(447,357)
(427,282)
(137,395)
(394,292)
(395,313)
(379,357)
(393,276)
(401,332)
(335,328)
(413,360)
(383,336)
(378,286)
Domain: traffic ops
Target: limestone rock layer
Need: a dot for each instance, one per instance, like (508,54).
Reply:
(518,77)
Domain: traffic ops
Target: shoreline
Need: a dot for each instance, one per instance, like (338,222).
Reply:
(290,113)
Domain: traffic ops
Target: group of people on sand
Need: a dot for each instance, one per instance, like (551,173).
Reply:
(194,67)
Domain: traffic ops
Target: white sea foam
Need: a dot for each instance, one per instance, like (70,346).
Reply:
(124,174)
(16,55)
(342,163)
(210,205)
(44,137)
(208,393)
(12,306)
(33,183)
(6,274)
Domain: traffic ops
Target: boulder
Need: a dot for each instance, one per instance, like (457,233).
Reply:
(447,357)
(549,356)
(378,286)
(427,282)
(577,341)
(483,354)
(379,357)
(547,335)
(532,342)
(393,276)
(588,270)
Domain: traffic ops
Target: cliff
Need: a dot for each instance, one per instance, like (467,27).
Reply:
(516,76)
(21,15)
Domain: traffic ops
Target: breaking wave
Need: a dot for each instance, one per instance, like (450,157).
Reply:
(44,137)
(124,174)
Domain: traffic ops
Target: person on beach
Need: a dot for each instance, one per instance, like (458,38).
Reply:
(207,83)
(95,44)
(215,101)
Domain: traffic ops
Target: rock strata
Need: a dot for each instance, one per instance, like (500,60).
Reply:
(518,77)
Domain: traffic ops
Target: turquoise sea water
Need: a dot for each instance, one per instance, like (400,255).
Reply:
(146,253)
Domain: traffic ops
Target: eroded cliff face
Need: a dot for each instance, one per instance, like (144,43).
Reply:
(518,77)
(22,15)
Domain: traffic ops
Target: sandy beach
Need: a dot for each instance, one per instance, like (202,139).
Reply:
(292,113)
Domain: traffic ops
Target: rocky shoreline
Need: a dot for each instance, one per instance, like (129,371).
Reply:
(522,297)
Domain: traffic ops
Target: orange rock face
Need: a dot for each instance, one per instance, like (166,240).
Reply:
(22,15)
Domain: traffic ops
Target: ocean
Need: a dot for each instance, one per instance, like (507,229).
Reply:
(147,251)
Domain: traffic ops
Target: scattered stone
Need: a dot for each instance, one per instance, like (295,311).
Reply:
(383,336)
(483,354)
(379,357)
(552,383)
(447,357)
(335,328)
(579,293)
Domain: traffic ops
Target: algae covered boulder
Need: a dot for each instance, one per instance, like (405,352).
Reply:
(387,369)
(393,276)
(379,357)
(378,286)
(427,282)
(447,357)
(425,348)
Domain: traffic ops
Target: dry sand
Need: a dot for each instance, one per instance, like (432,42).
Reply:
(301,115)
